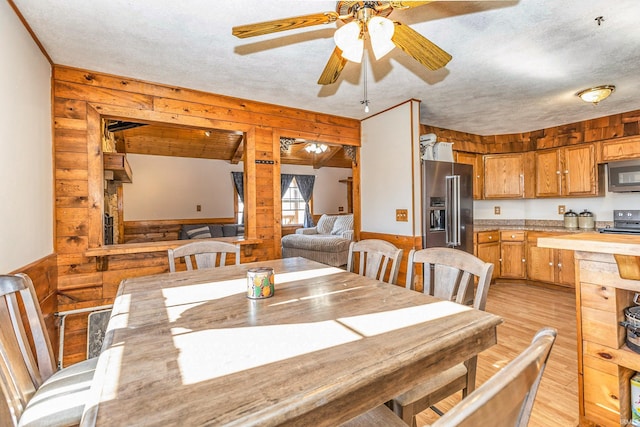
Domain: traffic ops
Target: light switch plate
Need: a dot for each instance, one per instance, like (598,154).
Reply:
(402,215)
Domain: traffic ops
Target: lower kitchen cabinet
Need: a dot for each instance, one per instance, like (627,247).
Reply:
(549,265)
(513,260)
(488,249)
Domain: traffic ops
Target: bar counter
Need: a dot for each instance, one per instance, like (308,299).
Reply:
(607,268)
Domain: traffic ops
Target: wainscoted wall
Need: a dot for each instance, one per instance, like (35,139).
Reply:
(82,98)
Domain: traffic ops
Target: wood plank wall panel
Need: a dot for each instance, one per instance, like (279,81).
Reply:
(44,275)
(603,128)
(154,230)
(81,98)
(406,243)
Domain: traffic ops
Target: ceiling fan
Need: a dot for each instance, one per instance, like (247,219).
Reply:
(362,19)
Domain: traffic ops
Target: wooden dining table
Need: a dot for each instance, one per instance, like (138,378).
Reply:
(190,348)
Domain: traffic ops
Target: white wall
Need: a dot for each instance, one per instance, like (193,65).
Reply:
(329,193)
(26,177)
(547,209)
(171,188)
(388,164)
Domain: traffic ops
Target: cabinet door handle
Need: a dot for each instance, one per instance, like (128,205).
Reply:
(524,260)
(513,236)
(559,265)
(557,172)
(551,264)
(490,237)
(566,171)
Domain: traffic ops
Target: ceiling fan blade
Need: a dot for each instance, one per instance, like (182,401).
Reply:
(261,28)
(407,4)
(333,68)
(417,46)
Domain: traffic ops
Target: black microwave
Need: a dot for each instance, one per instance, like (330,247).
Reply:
(624,176)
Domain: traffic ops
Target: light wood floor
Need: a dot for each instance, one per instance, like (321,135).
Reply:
(525,309)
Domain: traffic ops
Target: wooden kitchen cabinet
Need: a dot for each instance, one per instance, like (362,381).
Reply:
(568,171)
(549,265)
(605,361)
(513,262)
(474,160)
(508,176)
(621,149)
(488,249)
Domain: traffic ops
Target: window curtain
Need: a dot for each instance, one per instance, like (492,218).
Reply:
(285,182)
(305,185)
(238,182)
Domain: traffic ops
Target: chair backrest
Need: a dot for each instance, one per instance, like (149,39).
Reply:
(206,254)
(449,274)
(507,398)
(378,259)
(20,372)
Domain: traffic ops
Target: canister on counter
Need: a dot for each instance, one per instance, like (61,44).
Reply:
(571,219)
(635,400)
(260,282)
(585,220)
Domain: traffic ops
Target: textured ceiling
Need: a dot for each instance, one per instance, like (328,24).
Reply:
(516,64)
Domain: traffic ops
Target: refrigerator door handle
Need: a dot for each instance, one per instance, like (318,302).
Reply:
(452,206)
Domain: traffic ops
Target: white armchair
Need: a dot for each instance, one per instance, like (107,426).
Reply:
(327,242)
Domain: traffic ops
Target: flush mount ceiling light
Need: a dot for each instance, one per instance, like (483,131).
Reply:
(316,148)
(596,94)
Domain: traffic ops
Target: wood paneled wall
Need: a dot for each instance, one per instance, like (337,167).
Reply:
(44,275)
(603,128)
(406,243)
(158,230)
(82,98)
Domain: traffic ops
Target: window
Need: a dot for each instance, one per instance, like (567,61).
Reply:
(239,208)
(292,205)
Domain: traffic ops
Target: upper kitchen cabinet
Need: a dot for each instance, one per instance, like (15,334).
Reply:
(474,160)
(568,172)
(506,176)
(621,149)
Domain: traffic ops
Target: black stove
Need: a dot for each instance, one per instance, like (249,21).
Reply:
(624,222)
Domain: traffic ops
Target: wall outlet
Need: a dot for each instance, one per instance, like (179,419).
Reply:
(496,210)
(562,209)
(198,208)
(402,215)
(340,208)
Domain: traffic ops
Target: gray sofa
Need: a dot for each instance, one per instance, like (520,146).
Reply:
(204,231)
(328,242)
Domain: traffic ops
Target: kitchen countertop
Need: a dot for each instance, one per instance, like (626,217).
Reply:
(605,243)
(533,225)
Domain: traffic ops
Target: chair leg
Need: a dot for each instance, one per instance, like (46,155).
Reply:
(471,376)
(405,413)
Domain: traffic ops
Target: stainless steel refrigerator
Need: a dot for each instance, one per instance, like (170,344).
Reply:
(447,205)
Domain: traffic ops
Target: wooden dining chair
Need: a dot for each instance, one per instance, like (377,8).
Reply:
(504,400)
(377,259)
(507,398)
(32,391)
(448,274)
(205,254)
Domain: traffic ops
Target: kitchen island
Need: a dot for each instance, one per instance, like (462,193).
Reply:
(605,362)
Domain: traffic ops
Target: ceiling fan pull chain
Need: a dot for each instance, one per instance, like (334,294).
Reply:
(365,100)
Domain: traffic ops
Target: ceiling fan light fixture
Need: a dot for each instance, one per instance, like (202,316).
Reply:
(381,31)
(315,148)
(348,39)
(596,94)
